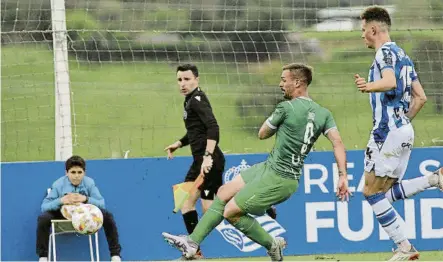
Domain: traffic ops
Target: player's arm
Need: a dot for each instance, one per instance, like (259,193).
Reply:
(386,83)
(52,201)
(266,131)
(95,197)
(184,141)
(385,60)
(339,150)
(331,132)
(343,192)
(271,124)
(204,111)
(418,99)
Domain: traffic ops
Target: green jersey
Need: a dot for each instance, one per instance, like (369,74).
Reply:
(299,124)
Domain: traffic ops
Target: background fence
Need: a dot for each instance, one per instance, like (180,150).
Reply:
(120,71)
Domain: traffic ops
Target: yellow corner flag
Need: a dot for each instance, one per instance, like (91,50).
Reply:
(183,190)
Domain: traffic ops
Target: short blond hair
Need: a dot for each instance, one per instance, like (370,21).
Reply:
(300,71)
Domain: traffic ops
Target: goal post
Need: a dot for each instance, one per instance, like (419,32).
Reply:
(63,124)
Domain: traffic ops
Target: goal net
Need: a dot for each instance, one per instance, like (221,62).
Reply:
(119,76)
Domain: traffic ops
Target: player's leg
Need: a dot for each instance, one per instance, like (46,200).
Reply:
(111,233)
(272,212)
(390,220)
(408,188)
(387,216)
(189,245)
(43,231)
(255,198)
(208,190)
(190,215)
(226,192)
(249,226)
(206,204)
(213,181)
(405,250)
(188,210)
(380,176)
(214,215)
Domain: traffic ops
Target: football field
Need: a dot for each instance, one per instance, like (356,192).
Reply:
(424,256)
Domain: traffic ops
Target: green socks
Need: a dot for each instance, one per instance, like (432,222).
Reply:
(252,229)
(211,219)
(246,224)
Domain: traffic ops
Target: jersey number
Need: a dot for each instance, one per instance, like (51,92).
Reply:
(405,75)
(309,133)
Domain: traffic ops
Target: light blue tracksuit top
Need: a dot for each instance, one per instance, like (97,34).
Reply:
(63,186)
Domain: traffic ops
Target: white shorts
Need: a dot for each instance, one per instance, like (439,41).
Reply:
(390,158)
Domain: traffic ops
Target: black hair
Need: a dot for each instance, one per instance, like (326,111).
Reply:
(186,67)
(74,161)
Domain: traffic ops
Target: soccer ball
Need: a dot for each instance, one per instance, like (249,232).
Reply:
(87,219)
(67,210)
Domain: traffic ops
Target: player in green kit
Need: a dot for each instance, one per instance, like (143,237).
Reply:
(297,123)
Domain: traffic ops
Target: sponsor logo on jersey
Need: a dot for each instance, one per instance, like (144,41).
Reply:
(406,145)
(387,57)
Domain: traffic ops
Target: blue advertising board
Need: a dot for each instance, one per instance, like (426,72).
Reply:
(139,194)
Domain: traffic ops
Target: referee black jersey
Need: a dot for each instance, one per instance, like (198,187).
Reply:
(200,123)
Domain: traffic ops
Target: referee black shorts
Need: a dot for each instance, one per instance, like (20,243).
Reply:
(213,180)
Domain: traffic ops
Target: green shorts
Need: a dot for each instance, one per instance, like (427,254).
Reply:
(264,188)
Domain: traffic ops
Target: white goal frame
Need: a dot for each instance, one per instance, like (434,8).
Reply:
(63,124)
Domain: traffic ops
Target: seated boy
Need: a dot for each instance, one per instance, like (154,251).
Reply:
(74,188)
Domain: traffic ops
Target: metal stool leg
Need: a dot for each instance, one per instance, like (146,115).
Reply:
(52,244)
(50,247)
(54,255)
(91,252)
(96,247)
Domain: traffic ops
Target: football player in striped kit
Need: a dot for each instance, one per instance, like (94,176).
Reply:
(396,96)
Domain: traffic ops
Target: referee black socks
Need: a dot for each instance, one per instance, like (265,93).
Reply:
(191,220)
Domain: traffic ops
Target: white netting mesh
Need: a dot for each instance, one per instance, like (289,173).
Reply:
(123,55)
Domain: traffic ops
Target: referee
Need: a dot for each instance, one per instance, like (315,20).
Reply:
(202,134)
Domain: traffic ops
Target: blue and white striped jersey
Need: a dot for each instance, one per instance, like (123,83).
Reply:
(389,108)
